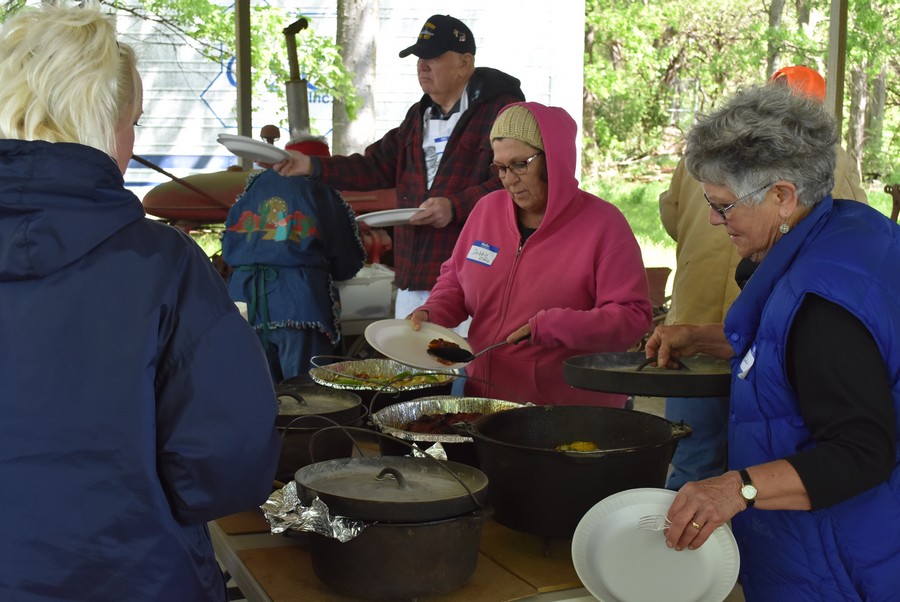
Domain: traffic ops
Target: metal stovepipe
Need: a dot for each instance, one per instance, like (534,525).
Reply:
(296,87)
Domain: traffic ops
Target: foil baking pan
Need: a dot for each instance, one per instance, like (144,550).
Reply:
(391,419)
(381,375)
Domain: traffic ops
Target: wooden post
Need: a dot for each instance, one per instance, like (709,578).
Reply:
(242,76)
(837,59)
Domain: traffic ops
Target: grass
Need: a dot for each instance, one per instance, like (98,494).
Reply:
(639,202)
(209,239)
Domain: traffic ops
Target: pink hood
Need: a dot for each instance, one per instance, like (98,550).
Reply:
(578,281)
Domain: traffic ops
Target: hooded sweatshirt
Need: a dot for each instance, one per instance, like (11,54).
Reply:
(136,402)
(578,281)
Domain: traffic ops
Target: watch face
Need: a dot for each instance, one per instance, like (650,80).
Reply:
(748,492)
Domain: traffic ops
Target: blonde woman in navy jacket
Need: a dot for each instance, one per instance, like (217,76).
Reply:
(813,490)
(135,401)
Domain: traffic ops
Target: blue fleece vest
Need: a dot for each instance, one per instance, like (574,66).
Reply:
(847,253)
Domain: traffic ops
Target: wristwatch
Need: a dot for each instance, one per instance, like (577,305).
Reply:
(748,489)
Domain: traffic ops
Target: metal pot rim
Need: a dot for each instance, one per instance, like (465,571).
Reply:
(315,400)
(676,431)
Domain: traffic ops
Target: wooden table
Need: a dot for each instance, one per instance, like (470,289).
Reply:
(511,566)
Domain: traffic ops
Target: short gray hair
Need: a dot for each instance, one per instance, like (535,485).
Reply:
(764,134)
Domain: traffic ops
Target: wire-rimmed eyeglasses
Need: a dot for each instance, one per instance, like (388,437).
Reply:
(723,210)
(517,167)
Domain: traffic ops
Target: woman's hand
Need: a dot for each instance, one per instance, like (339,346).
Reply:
(417,317)
(519,334)
(669,343)
(701,507)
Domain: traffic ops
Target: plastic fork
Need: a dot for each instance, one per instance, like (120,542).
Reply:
(654,522)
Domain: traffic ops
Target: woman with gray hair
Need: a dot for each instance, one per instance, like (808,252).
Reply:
(814,487)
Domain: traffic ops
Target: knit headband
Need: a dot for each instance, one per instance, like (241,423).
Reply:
(518,123)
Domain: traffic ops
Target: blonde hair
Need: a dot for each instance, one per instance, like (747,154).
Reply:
(65,78)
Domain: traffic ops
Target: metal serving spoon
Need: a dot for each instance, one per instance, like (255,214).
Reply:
(458,355)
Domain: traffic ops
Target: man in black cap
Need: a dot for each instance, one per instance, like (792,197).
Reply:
(438,158)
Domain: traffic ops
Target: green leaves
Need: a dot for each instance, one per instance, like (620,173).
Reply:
(210,29)
(650,66)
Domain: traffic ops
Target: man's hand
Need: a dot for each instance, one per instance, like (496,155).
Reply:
(298,165)
(437,212)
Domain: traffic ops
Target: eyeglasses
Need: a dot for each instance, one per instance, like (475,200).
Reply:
(517,167)
(723,210)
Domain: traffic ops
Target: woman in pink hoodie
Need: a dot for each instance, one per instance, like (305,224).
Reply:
(543,259)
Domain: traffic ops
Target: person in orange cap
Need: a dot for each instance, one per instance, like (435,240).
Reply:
(802,79)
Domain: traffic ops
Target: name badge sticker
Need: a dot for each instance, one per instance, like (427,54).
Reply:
(747,363)
(483,253)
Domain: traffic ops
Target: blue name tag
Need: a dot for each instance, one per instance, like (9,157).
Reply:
(442,139)
(483,253)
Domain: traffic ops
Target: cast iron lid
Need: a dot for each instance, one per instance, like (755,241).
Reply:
(700,376)
(295,400)
(393,488)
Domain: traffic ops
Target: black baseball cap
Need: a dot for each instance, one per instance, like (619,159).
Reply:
(440,34)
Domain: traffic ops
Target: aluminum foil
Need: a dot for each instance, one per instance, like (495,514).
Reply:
(284,510)
(382,371)
(391,419)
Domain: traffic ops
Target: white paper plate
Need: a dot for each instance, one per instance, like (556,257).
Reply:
(390,217)
(397,340)
(617,562)
(255,150)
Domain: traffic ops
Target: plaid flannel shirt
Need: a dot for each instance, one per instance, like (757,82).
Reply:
(397,161)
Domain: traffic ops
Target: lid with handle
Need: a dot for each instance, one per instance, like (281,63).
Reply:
(296,400)
(393,488)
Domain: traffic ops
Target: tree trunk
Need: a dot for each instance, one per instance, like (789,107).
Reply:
(774,56)
(803,14)
(588,149)
(873,159)
(357,28)
(859,98)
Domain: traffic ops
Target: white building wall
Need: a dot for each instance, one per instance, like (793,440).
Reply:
(189,100)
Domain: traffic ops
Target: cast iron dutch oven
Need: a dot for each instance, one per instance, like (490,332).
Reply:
(539,489)
(424,517)
(304,409)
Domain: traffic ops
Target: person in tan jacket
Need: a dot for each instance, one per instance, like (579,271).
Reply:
(704,286)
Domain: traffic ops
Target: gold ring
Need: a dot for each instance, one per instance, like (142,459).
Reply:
(695,525)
